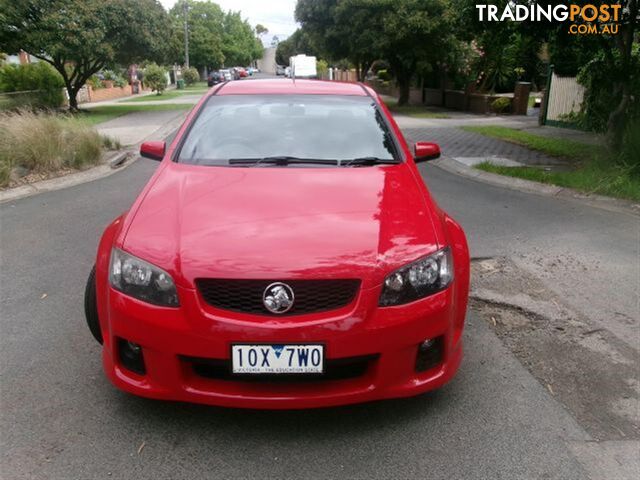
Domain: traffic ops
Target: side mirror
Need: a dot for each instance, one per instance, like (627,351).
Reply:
(425,151)
(152,150)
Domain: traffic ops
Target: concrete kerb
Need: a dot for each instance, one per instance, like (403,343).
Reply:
(527,186)
(112,163)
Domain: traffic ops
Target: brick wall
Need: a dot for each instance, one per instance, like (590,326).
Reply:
(112,93)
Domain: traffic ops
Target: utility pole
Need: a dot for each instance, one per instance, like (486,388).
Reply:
(185,10)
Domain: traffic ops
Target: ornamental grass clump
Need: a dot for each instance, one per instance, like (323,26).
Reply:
(45,143)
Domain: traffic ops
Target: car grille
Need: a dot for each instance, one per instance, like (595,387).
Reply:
(245,296)
(335,369)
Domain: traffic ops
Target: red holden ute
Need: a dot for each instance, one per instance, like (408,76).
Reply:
(285,254)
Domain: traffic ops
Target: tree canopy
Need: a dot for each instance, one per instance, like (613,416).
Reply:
(216,38)
(206,33)
(80,37)
(240,46)
(297,43)
(406,34)
(444,43)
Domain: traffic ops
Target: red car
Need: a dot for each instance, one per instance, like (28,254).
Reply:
(285,254)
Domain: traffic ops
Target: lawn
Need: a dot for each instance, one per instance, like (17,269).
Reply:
(169,95)
(97,115)
(414,111)
(196,87)
(594,168)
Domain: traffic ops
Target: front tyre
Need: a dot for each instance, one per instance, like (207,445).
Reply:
(91,307)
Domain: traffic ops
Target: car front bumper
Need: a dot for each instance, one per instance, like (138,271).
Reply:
(386,339)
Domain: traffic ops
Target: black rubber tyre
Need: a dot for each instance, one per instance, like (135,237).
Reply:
(91,307)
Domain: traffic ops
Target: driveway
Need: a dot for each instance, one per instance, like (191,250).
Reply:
(61,418)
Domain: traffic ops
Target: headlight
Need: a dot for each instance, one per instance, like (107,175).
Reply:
(419,279)
(141,280)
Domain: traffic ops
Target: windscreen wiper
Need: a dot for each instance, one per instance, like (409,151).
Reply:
(366,161)
(281,160)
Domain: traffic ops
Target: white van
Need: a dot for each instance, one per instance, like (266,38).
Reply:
(303,66)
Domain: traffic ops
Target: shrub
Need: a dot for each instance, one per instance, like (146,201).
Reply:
(42,84)
(600,98)
(501,105)
(322,68)
(190,75)
(42,142)
(155,77)
(117,79)
(95,82)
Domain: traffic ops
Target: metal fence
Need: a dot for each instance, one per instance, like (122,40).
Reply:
(564,99)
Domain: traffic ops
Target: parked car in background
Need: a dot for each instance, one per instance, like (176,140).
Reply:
(279,70)
(215,78)
(227,75)
(242,73)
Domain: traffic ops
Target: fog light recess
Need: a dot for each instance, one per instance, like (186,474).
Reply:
(430,354)
(130,355)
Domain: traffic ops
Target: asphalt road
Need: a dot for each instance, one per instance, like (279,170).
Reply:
(61,419)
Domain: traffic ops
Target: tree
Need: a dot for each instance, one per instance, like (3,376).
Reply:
(340,30)
(206,33)
(240,45)
(80,37)
(626,80)
(297,43)
(608,65)
(261,30)
(406,34)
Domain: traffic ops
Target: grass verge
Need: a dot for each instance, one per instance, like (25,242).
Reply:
(414,111)
(97,115)
(595,176)
(46,143)
(594,168)
(196,87)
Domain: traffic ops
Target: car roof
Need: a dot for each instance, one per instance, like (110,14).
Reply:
(291,87)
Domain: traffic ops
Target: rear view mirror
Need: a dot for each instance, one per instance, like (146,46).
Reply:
(152,150)
(425,151)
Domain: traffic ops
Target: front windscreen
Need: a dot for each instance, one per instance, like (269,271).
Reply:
(297,126)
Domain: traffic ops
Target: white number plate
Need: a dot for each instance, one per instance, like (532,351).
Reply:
(277,358)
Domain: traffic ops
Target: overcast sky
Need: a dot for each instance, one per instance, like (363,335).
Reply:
(276,15)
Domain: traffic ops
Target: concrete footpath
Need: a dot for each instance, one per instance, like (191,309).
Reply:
(134,128)
(470,148)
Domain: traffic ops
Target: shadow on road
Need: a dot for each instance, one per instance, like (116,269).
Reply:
(332,421)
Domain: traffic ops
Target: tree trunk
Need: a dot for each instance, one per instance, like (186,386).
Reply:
(403,85)
(73,98)
(618,120)
(363,70)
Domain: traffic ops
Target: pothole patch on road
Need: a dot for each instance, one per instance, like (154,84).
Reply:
(588,369)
